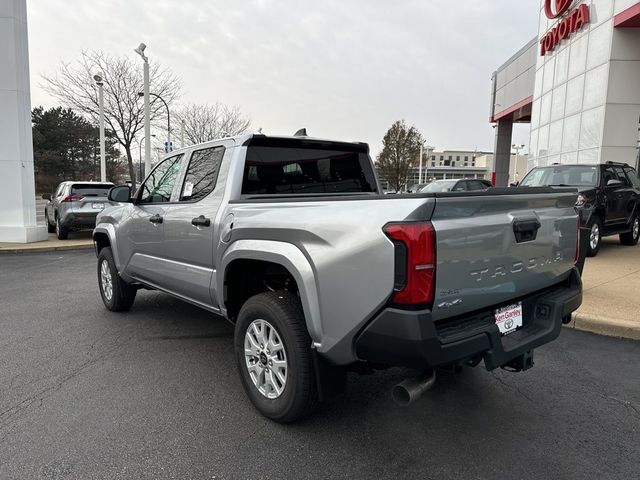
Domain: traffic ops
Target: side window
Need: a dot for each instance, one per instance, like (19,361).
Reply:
(622,177)
(476,185)
(158,187)
(202,174)
(608,174)
(460,187)
(633,176)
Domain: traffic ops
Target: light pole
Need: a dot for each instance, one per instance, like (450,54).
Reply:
(140,158)
(147,115)
(429,150)
(103,159)
(517,148)
(168,147)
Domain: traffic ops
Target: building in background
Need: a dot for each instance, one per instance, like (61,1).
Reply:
(578,85)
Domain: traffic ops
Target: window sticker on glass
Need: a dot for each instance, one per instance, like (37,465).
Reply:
(188,189)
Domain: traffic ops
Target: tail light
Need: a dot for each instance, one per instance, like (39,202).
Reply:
(71,198)
(415,269)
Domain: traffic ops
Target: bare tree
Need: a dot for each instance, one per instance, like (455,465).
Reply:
(401,146)
(74,87)
(202,123)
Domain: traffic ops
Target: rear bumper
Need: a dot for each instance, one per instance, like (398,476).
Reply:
(79,220)
(412,339)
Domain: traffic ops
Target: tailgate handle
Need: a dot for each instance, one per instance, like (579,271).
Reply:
(526,230)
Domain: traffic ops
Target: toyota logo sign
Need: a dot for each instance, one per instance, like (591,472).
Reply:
(556,8)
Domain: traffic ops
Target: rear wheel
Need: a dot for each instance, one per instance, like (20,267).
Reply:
(50,228)
(632,236)
(61,232)
(595,236)
(116,294)
(273,353)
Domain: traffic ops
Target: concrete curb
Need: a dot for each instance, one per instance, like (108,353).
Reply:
(610,327)
(55,248)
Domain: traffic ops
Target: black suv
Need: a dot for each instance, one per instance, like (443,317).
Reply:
(608,199)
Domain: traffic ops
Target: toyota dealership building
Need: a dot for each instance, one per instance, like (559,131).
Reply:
(577,84)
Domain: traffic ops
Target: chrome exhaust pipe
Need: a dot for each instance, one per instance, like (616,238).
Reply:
(407,392)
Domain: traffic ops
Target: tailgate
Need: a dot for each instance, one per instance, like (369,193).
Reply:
(496,247)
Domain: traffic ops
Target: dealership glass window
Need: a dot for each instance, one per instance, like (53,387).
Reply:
(549,67)
(543,141)
(578,56)
(545,109)
(537,89)
(591,127)
(599,45)
(601,11)
(568,158)
(555,137)
(562,66)
(533,143)
(589,156)
(571,133)
(575,93)
(595,86)
(557,104)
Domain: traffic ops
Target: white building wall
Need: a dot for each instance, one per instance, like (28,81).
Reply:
(586,105)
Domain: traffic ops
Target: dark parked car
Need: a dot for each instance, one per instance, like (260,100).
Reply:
(74,206)
(460,185)
(608,199)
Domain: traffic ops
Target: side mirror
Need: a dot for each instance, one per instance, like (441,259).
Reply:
(46,196)
(121,194)
(514,184)
(614,183)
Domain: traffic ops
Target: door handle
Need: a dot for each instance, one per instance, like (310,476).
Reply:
(201,221)
(155,219)
(526,230)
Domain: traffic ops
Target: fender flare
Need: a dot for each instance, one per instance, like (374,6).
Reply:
(291,258)
(110,231)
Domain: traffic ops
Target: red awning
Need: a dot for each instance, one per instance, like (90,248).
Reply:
(630,18)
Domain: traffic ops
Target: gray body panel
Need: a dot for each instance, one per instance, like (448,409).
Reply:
(336,250)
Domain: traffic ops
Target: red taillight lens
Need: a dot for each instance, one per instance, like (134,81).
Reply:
(72,198)
(419,239)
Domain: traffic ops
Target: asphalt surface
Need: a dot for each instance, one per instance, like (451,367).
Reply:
(153,393)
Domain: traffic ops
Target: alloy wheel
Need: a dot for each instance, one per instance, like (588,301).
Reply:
(106,280)
(594,237)
(636,228)
(265,358)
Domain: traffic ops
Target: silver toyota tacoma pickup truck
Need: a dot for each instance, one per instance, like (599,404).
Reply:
(292,240)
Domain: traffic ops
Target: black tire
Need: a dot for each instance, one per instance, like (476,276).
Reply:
(299,396)
(50,228)
(122,294)
(595,236)
(61,232)
(632,236)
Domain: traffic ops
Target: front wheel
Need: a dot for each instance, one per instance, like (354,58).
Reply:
(273,353)
(595,236)
(632,236)
(116,294)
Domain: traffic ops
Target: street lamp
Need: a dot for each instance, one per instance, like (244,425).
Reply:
(103,160)
(168,148)
(140,157)
(517,148)
(147,120)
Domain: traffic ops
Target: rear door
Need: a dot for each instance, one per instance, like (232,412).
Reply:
(493,249)
(190,226)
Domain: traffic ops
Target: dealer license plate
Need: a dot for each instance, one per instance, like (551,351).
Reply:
(509,319)
(97,206)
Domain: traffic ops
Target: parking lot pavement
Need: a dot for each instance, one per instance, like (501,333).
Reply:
(154,393)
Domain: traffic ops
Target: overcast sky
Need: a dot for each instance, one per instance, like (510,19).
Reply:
(344,69)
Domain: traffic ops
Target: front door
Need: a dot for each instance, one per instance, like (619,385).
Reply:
(614,198)
(190,227)
(143,230)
